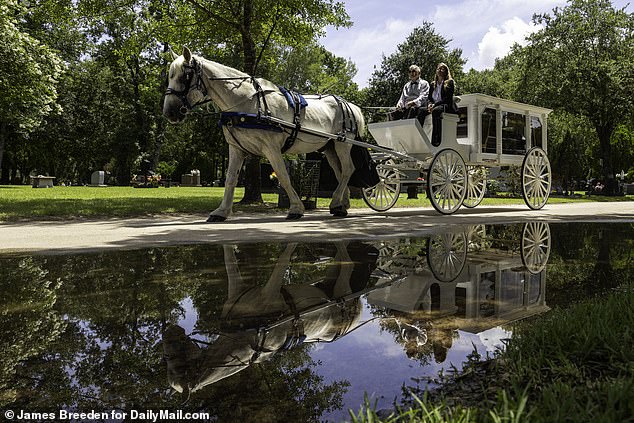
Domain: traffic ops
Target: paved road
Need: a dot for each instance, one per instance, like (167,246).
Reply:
(54,237)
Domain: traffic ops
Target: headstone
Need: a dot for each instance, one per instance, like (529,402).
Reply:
(191,179)
(41,181)
(97,179)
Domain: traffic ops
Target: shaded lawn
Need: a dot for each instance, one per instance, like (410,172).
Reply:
(23,202)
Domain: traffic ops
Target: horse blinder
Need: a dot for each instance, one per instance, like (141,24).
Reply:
(187,78)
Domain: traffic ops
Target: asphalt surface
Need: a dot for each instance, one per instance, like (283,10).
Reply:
(73,236)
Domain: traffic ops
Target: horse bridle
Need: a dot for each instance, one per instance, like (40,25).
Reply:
(195,68)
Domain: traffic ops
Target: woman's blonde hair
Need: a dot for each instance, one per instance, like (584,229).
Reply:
(448,72)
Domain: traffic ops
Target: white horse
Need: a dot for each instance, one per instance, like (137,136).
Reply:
(194,80)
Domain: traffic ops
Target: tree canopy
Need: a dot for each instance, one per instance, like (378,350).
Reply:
(29,72)
(582,62)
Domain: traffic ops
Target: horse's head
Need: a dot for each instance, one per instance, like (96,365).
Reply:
(185,87)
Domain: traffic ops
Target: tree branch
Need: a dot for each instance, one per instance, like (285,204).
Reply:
(213,15)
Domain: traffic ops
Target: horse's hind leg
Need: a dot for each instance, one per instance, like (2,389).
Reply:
(236,158)
(341,163)
(296,208)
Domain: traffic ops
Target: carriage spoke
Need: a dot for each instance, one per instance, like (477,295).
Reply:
(384,195)
(476,186)
(536,178)
(446,186)
(446,255)
(535,246)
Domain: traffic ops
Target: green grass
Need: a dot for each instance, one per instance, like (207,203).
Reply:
(24,202)
(573,365)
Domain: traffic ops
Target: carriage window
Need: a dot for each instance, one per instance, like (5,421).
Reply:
(513,133)
(534,288)
(462,123)
(511,292)
(536,132)
(489,129)
(486,291)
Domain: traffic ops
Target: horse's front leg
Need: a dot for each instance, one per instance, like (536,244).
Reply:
(236,158)
(296,209)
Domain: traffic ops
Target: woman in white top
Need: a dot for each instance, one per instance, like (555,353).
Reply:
(441,100)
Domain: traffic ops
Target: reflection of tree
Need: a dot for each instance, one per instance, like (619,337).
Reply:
(28,323)
(422,337)
(116,305)
(286,388)
(588,259)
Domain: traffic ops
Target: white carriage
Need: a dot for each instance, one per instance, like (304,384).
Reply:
(487,132)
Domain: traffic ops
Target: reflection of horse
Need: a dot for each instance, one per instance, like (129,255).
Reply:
(260,321)
(246,104)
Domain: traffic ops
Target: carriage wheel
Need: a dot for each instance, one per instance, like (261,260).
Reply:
(447,181)
(476,186)
(384,195)
(447,255)
(536,178)
(535,246)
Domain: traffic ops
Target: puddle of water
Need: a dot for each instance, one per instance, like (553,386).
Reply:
(283,332)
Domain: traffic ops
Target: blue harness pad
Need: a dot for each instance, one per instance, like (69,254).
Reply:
(247,120)
(291,101)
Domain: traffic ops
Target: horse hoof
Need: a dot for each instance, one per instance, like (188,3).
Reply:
(214,219)
(294,216)
(339,211)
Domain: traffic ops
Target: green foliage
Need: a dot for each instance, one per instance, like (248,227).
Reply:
(29,70)
(582,62)
(313,69)
(580,358)
(250,25)
(501,81)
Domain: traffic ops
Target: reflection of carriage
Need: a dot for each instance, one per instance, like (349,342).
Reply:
(468,274)
(486,132)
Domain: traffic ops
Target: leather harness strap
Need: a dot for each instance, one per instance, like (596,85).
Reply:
(290,140)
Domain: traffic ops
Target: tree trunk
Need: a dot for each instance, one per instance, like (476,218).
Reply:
(252,181)
(162,123)
(3,132)
(607,169)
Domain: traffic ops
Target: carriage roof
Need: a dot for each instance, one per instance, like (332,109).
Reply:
(485,99)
